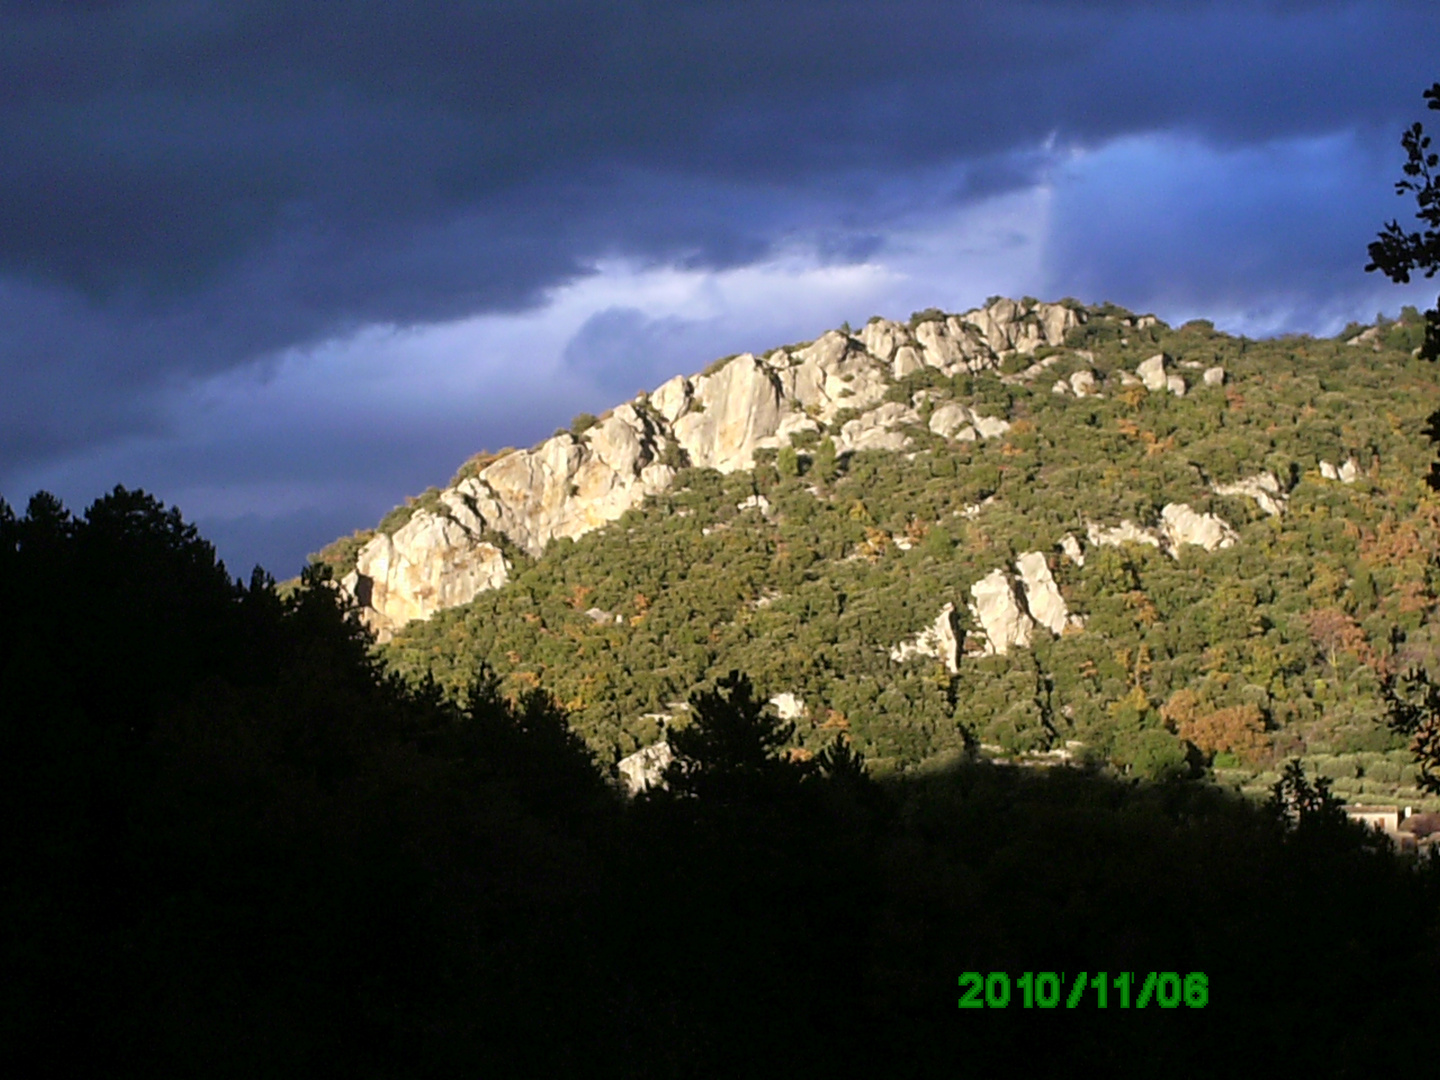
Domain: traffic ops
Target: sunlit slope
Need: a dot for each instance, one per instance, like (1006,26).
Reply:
(809,570)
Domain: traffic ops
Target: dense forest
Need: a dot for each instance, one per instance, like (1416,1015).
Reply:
(236,843)
(1230,661)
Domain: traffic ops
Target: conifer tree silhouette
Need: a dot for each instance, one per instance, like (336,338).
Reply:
(731,749)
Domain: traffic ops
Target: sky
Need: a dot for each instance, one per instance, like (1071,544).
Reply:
(283,264)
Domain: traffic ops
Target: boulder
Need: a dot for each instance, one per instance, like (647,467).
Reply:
(874,430)
(1042,596)
(949,418)
(1369,337)
(830,375)
(1348,472)
(882,338)
(671,398)
(1262,487)
(1214,376)
(1152,372)
(941,640)
(1176,385)
(907,360)
(1083,384)
(644,769)
(1182,525)
(788,706)
(939,348)
(1070,548)
(999,613)
(989,427)
(1327,471)
(1127,532)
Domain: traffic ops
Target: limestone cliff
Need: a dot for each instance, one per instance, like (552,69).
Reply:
(567,486)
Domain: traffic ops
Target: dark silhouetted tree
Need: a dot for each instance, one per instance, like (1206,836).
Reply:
(731,749)
(1412,700)
(1398,253)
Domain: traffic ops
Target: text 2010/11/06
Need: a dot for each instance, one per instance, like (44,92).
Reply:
(1044,989)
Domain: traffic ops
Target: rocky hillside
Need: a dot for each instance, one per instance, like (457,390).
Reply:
(574,483)
(1037,529)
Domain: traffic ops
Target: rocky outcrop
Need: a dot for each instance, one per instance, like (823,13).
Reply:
(1182,525)
(1345,474)
(431,562)
(567,486)
(1152,372)
(1214,376)
(875,430)
(954,421)
(939,641)
(788,706)
(949,418)
(738,406)
(1000,614)
(1127,532)
(1179,525)
(1042,596)
(1070,548)
(1262,487)
(1370,336)
(645,769)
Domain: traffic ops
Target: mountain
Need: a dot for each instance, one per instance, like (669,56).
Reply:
(1032,530)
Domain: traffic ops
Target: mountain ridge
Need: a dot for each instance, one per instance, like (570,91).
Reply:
(1233,531)
(570,484)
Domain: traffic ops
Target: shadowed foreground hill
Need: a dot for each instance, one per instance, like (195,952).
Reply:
(235,847)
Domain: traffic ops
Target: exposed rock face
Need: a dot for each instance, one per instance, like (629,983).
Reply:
(1127,532)
(1152,372)
(567,486)
(788,706)
(645,769)
(740,404)
(1070,547)
(1000,615)
(1179,525)
(412,575)
(1262,487)
(1183,525)
(1214,376)
(1042,596)
(989,427)
(1083,384)
(1176,385)
(954,421)
(1369,337)
(1346,473)
(874,430)
(940,641)
(948,419)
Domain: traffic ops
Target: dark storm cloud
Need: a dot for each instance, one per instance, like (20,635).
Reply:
(187,187)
